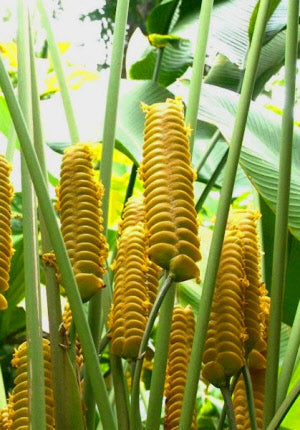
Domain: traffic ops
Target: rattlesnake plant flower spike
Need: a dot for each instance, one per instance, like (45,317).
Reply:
(224,349)
(181,339)
(166,171)
(79,204)
(20,394)
(67,321)
(6,250)
(246,222)
(135,283)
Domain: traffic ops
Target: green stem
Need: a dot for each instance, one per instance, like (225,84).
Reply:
(104,342)
(289,360)
(231,389)
(122,401)
(222,214)
(135,413)
(68,280)
(198,68)
(52,288)
(284,407)
(281,221)
(30,235)
(3,402)
(229,408)
(250,398)
(216,136)
(160,361)
(11,142)
(59,73)
(160,53)
(211,181)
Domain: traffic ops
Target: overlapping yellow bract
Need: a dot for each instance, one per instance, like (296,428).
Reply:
(79,204)
(169,197)
(19,401)
(6,250)
(224,351)
(135,283)
(181,339)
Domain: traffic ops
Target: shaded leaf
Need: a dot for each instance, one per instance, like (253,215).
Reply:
(277,18)
(160,20)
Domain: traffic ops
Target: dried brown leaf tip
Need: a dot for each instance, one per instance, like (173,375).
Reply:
(224,349)
(6,250)
(181,339)
(20,396)
(135,283)
(79,204)
(166,170)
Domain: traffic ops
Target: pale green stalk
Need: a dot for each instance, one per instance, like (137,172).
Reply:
(250,398)
(68,280)
(231,389)
(109,130)
(160,361)
(284,407)
(135,411)
(3,402)
(35,356)
(212,143)
(121,398)
(11,141)
(222,214)
(60,379)
(289,360)
(198,68)
(160,53)
(59,73)
(282,209)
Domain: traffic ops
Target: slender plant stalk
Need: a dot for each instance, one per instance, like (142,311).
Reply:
(222,214)
(231,389)
(198,68)
(52,289)
(212,181)
(289,360)
(59,73)
(229,408)
(250,398)
(160,53)
(3,402)
(30,234)
(160,361)
(11,144)
(134,412)
(212,143)
(121,398)
(284,407)
(109,130)
(281,221)
(68,280)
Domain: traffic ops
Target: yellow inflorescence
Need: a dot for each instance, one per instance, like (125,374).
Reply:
(135,285)
(169,197)
(5,418)
(6,195)
(181,339)
(246,222)
(79,203)
(224,350)
(20,396)
(67,321)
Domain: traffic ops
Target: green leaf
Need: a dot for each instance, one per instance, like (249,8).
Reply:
(161,40)
(175,62)
(16,291)
(292,419)
(292,286)
(161,18)
(5,120)
(12,323)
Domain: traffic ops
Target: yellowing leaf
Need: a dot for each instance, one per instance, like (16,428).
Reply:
(9,50)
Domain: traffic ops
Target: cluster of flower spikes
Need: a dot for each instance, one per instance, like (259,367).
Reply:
(67,321)
(6,250)
(167,175)
(135,283)
(181,339)
(79,204)
(224,350)
(19,400)
(257,367)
